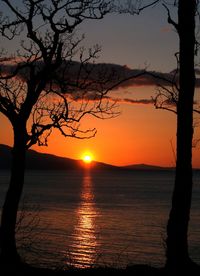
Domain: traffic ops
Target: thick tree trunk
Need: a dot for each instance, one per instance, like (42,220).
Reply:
(8,254)
(177,228)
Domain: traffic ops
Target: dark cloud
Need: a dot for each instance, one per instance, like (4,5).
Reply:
(106,74)
(133,101)
(86,81)
(140,101)
(92,97)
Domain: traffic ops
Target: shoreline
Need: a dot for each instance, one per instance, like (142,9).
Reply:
(137,270)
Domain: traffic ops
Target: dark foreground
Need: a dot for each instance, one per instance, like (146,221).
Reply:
(135,270)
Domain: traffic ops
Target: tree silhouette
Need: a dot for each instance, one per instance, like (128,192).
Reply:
(177,95)
(42,88)
(177,228)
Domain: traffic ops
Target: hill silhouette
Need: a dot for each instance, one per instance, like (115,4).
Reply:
(146,167)
(43,161)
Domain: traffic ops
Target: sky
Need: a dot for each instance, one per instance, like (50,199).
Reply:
(141,133)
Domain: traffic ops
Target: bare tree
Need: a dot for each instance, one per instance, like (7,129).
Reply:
(42,88)
(177,95)
(177,228)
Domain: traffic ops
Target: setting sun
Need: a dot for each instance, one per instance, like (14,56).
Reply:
(87,158)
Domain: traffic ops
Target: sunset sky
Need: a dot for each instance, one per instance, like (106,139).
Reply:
(141,134)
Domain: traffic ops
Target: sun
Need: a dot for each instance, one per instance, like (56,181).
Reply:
(87,158)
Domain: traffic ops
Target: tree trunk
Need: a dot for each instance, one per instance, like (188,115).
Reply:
(177,228)
(8,254)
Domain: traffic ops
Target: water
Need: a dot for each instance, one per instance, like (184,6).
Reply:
(85,218)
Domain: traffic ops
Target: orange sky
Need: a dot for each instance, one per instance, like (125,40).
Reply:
(141,134)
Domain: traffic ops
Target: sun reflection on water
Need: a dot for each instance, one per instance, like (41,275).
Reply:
(84,244)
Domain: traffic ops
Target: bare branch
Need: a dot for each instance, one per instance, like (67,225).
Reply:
(43,85)
(196,110)
(148,5)
(134,8)
(170,20)
(34,83)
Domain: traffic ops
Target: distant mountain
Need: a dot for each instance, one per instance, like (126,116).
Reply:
(145,167)
(44,161)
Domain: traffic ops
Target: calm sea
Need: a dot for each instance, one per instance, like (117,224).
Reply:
(107,218)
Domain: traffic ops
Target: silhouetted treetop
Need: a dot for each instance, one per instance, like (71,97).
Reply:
(37,83)
(34,87)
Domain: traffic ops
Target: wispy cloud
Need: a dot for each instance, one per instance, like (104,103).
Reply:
(138,101)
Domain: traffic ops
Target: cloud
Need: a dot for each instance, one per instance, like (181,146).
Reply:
(138,102)
(87,81)
(109,75)
(106,74)
(92,97)
(132,101)
(122,100)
